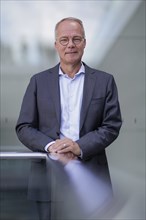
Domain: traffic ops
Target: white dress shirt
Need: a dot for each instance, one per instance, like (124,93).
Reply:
(71,94)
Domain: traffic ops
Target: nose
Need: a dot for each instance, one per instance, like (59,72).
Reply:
(71,43)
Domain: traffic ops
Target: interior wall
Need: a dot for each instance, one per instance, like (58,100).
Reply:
(126,61)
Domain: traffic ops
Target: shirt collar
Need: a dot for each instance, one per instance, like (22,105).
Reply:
(81,70)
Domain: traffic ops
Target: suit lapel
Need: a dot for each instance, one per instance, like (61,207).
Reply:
(89,84)
(55,91)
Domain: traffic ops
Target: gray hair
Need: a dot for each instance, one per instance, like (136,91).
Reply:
(70,19)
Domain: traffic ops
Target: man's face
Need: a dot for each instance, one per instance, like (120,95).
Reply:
(70,42)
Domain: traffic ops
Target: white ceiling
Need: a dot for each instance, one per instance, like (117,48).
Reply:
(35,20)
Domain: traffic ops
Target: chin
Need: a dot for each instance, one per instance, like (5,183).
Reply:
(73,61)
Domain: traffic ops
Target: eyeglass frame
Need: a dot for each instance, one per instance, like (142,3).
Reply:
(73,40)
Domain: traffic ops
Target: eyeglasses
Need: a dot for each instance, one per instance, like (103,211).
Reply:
(65,40)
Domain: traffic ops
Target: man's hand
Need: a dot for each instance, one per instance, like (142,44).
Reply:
(65,145)
(66,157)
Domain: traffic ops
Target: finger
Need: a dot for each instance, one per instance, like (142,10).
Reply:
(64,150)
(57,145)
(62,146)
(61,141)
(70,155)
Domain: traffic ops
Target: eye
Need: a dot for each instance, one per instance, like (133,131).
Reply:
(64,41)
(77,40)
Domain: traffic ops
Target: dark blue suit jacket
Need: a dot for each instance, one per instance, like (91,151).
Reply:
(39,122)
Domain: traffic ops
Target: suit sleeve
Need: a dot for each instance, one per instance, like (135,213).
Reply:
(27,127)
(94,142)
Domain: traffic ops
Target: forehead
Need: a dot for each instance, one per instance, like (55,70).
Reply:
(69,28)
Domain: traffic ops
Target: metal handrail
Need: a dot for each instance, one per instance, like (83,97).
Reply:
(22,155)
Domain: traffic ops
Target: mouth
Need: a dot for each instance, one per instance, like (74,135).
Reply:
(71,52)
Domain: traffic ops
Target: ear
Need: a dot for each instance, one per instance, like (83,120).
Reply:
(56,46)
(84,43)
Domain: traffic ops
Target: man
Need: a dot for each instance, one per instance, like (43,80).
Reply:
(70,110)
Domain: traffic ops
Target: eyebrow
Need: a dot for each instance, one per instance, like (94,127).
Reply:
(72,36)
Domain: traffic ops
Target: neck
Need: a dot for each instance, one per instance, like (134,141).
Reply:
(70,69)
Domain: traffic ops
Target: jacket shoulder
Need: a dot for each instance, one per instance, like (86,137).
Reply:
(46,72)
(97,72)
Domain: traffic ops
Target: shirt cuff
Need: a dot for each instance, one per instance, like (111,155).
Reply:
(48,145)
